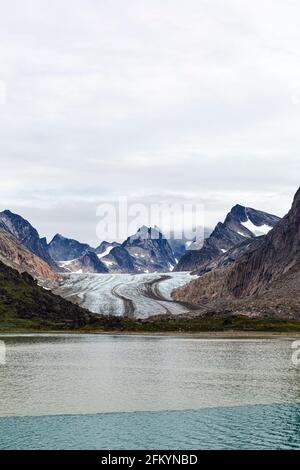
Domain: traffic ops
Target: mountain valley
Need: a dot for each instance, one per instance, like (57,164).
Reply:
(246,266)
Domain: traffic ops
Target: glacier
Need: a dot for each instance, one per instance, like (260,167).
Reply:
(135,295)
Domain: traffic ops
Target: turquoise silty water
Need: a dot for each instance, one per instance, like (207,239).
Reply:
(123,392)
(244,427)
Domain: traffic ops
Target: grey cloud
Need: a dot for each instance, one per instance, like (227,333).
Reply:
(155,100)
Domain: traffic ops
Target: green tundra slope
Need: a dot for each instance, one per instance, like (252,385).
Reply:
(24,304)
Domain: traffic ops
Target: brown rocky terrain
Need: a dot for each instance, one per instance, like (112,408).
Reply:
(264,280)
(15,255)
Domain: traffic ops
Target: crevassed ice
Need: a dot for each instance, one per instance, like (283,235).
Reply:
(112,293)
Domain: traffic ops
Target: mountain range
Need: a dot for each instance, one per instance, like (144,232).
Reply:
(139,253)
(249,265)
(145,251)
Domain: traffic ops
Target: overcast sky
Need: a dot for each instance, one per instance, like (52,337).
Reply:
(173,100)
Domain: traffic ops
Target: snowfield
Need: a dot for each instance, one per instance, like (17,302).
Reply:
(106,252)
(137,296)
(258,230)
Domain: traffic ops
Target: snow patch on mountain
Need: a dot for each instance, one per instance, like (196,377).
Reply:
(106,252)
(257,230)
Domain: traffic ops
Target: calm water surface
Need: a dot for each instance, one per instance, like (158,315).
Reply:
(91,391)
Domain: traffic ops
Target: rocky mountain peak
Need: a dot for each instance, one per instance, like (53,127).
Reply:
(26,234)
(147,233)
(58,237)
(151,250)
(66,249)
(240,212)
(240,223)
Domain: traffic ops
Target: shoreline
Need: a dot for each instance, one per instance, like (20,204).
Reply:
(234,334)
(202,327)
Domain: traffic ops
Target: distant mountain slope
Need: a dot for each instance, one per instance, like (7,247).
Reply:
(145,251)
(151,251)
(265,279)
(65,249)
(178,247)
(15,255)
(105,247)
(181,245)
(23,231)
(197,243)
(241,223)
(88,263)
(22,300)
(119,261)
(227,258)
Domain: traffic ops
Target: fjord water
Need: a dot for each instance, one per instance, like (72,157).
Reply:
(128,392)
